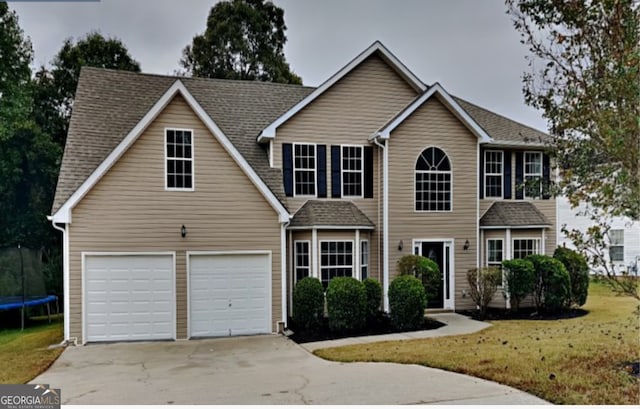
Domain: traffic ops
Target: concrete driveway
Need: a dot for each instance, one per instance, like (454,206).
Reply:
(268,369)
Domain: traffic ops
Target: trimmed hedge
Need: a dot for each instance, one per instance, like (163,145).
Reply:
(374,297)
(552,286)
(308,303)
(519,276)
(407,301)
(423,268)
(578,270)
(346,304)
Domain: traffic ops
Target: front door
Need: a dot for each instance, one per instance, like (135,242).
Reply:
(440,252)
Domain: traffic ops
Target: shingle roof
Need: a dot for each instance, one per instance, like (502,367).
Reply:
(513,214)
(330,213)
(502,129)
(110,103)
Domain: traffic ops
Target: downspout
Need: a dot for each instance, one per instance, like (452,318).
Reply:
(385,222)
(65,276)
(282,325)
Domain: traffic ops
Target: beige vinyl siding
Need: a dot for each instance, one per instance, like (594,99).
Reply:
(129,211)
(348,113)
(434,125)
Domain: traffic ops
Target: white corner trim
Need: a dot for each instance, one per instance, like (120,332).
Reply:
(63,215)
(457,110)
(270,131)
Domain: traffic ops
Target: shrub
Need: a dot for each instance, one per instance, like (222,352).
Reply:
(483,284)
(308,303)
(578,270)
(407,301)
(346,304)
(423,268)
(373,290)
(552,284)
(519,276)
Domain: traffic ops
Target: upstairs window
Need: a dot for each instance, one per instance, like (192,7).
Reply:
(304,169)
(616,245)
(532,174)
(352,171)
(433,181)
(493,163)
(179,159)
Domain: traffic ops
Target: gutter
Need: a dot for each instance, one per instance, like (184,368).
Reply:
(282,324)
(65,276)
(385,222)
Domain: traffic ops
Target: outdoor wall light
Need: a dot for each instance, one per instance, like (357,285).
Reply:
(183,231)
(400,245)
(466,245)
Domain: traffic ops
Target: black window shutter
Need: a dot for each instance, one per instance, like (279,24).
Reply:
(321,169)
(336,185)
(481,173)
(368,172)
(519,176)
(506,177)
(287,168)
(546,176)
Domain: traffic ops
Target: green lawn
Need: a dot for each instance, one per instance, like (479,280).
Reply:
(24,354)
(577,361)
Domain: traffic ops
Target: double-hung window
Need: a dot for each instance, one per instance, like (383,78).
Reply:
(364,259)
(352,171)
(525,247)
(616,245)
(336,260)
(495,255)
(179,159)
(301,257)
(493,162)
(532,174)
(304,169)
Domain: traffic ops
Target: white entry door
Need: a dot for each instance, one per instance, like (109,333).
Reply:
(229,294)
(129,297)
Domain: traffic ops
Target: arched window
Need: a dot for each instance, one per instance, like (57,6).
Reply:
(433,181)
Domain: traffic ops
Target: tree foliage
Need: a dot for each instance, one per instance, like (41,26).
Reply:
(585,77)
(244,40)
(578,270)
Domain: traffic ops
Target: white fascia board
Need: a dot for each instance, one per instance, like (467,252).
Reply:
(330,227)
(270,131)
(477,130)
(508,144)
(63,215)
(537,226)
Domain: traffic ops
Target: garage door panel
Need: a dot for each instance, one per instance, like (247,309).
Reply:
(229,294)
(129,297)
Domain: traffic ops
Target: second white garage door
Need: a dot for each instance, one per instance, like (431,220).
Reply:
(229,294)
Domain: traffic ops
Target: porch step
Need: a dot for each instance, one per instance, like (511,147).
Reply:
(430,311)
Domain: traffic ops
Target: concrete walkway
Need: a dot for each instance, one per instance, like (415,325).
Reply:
(457,324)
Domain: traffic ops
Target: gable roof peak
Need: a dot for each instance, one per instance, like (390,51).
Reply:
(376,48)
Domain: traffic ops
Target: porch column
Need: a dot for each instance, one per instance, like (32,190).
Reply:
(314,253)
(356,273)
(507,256)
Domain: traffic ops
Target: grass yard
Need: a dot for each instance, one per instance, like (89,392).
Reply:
(24,354)
(578,361)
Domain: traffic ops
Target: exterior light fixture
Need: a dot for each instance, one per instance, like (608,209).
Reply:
(183,231)
(400,245)
(466,245)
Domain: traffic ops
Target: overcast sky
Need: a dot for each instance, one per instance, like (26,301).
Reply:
(469,46)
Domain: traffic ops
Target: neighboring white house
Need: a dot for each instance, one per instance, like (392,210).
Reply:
(624,247)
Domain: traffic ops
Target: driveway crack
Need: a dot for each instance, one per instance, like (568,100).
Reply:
(298,391)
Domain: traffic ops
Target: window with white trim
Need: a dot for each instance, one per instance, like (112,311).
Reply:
(493,173)
(336,260)
(179,159)
(364,259)
(352,170)
(525,247)
(495,255)
(301,260)
(532,174)
(433,181)
(304,169)
(616,245)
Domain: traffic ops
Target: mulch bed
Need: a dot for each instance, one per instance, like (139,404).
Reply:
(380,326)
(498,314)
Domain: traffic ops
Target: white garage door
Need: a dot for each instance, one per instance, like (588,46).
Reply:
(229,294)
(129,298)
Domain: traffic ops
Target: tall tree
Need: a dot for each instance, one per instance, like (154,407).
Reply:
(244,40)
(56,88)
(585,77)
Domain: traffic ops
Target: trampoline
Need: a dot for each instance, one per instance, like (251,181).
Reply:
(18,302)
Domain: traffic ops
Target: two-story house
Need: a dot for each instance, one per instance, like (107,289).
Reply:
(191,207)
